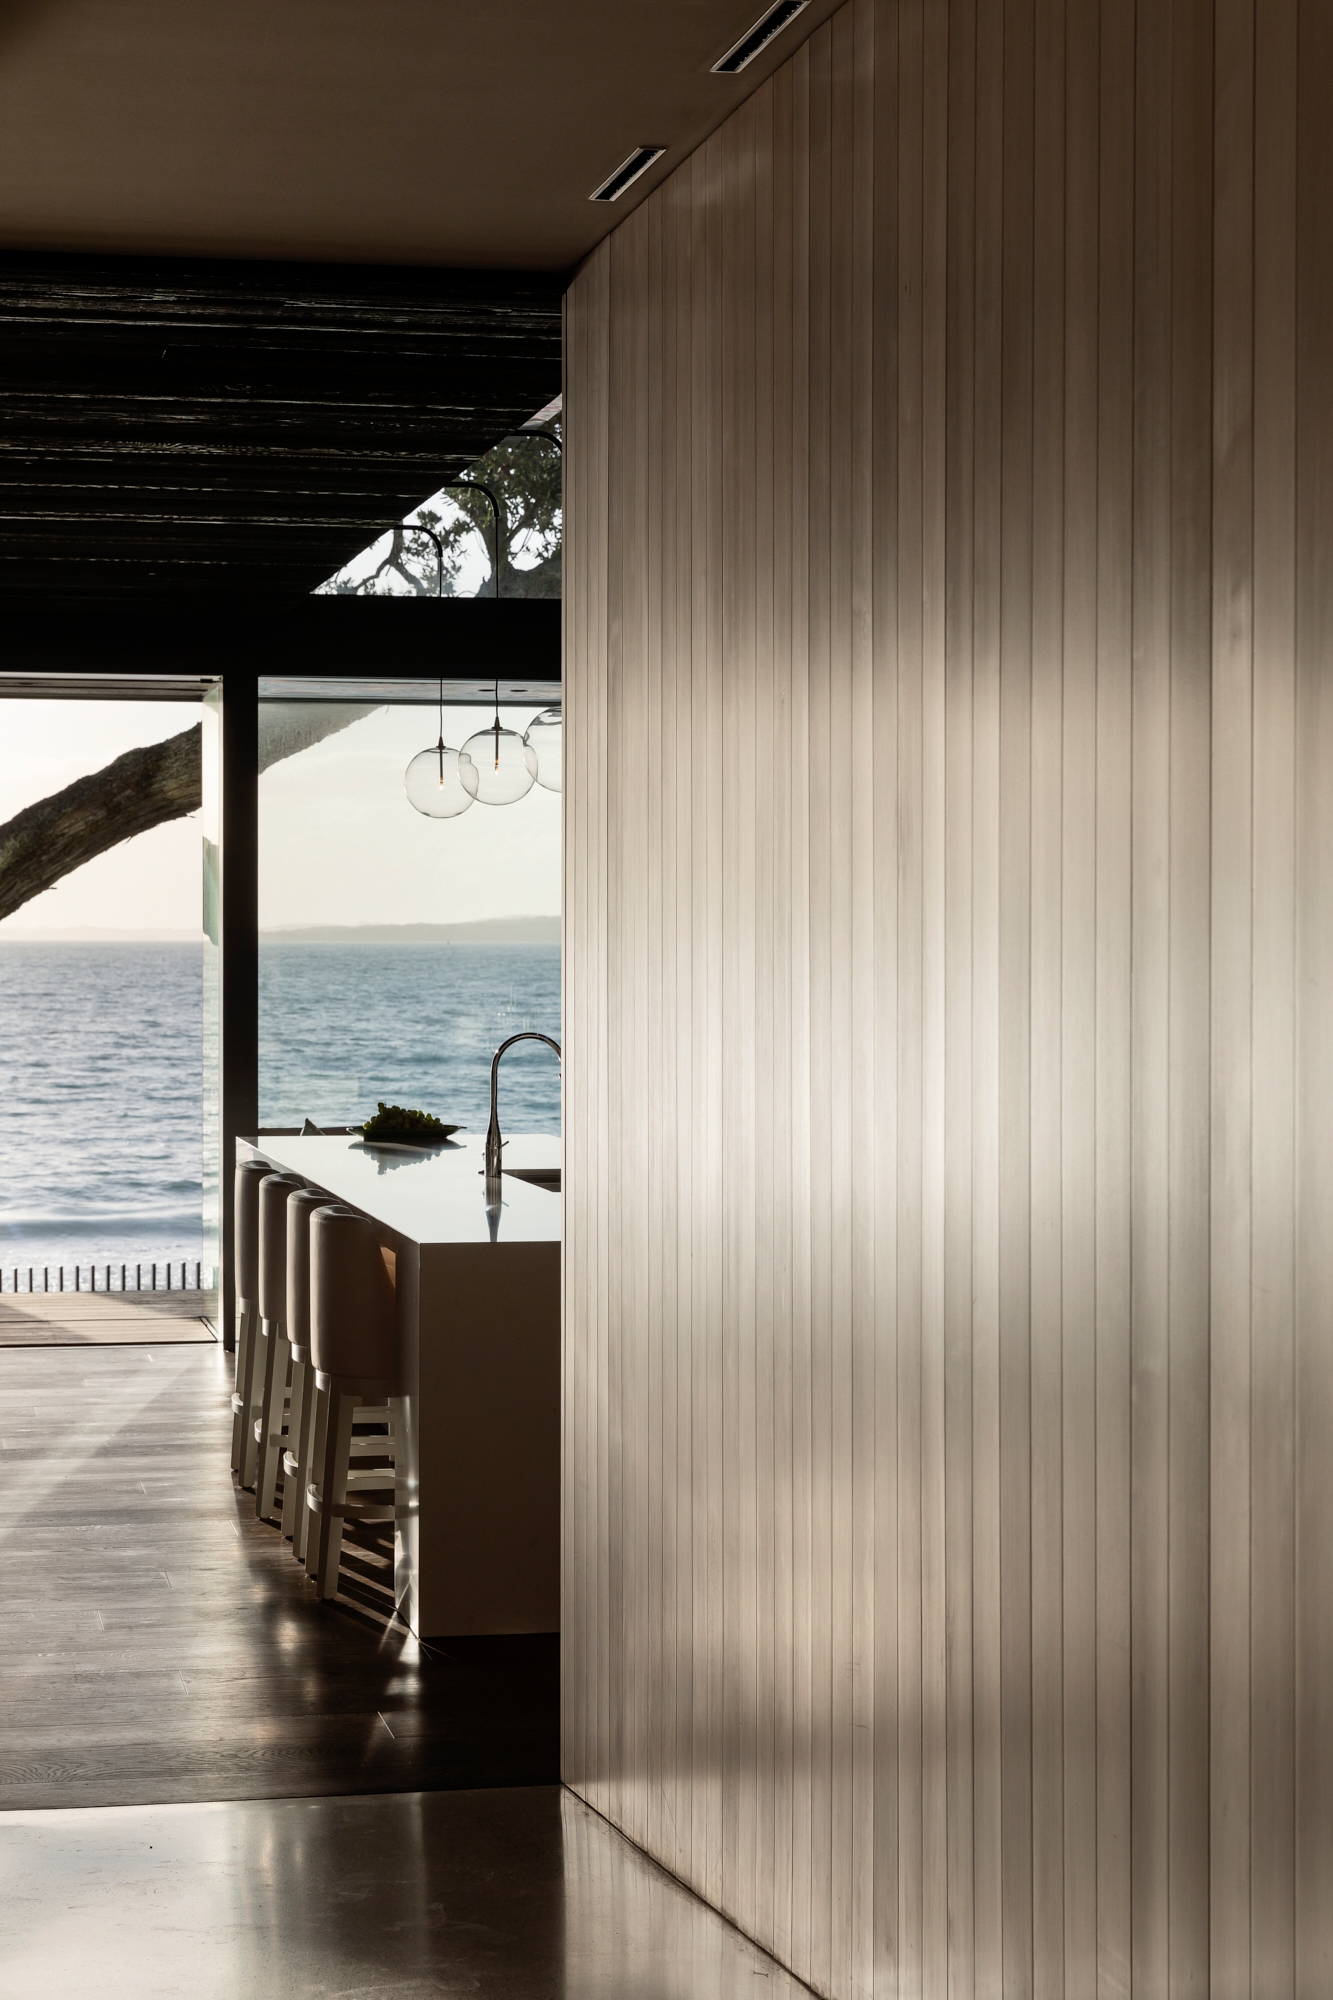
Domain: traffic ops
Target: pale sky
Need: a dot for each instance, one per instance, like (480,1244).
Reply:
(339,843)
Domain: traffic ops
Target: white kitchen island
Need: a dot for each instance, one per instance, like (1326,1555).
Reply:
(477,1539)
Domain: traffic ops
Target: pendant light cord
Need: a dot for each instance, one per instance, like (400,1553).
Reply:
(419,528)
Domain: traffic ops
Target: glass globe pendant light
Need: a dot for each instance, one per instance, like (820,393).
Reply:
(437,781)
(544,737)
(441,782)
(505,765)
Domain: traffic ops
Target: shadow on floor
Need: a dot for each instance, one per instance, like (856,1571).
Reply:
(159,1644)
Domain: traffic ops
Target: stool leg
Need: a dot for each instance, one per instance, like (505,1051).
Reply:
(252,1390)
(333,1487)
(293,1490)
(271,1399)
(316,1424)
(244,1357)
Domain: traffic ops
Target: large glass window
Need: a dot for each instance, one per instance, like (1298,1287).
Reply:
(396,950)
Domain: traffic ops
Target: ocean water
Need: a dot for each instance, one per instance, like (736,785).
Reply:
(100,1083)
(101,1072)
(344,1026)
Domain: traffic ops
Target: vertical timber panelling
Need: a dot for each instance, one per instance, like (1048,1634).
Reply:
(1113,1148)
(1078,942)
(949,1183)
(1313,1380)
(1270,1417)
(1233,1133)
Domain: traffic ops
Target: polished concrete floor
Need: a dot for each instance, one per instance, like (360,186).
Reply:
(505,1894)
(160,1644)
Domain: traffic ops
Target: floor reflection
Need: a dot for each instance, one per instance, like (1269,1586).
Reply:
(523,1893)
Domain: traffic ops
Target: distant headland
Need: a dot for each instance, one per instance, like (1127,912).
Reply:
(490,930)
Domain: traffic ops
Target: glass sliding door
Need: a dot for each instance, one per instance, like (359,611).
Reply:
(211,751)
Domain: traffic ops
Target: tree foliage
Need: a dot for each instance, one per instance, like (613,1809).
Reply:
(524,475)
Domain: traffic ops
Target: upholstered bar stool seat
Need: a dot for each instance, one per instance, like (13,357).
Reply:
(273,1362)
(245,1243)
(354,1347)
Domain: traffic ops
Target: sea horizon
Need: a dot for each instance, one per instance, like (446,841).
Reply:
(543,929)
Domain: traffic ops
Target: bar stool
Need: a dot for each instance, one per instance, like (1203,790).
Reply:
(297,1461)
(370,1421)
(245,1243)
(274,1356)
(354,1346)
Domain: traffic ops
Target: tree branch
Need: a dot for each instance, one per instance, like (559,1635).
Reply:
(140,790)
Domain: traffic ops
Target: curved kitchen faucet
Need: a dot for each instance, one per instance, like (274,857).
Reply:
(493,1139)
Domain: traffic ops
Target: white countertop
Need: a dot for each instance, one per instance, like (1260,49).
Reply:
(435,1197)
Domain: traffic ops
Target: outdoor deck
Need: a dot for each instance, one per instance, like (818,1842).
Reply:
(101,1319)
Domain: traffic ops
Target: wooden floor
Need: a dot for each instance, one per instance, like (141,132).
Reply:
(158,1644)
(95,1319)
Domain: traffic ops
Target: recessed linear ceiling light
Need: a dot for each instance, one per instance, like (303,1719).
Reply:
(760,35)
(629,170)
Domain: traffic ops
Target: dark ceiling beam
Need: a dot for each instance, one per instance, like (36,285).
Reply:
(515,640)
(206,427)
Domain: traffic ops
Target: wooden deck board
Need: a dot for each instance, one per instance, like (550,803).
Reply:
(102,1319)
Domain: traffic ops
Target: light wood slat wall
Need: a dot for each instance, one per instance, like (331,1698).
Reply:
(949,969)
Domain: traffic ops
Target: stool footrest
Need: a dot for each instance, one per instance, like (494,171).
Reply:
(372,1478)
(352,1509)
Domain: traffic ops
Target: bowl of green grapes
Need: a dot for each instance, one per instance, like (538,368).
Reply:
(396,1126)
